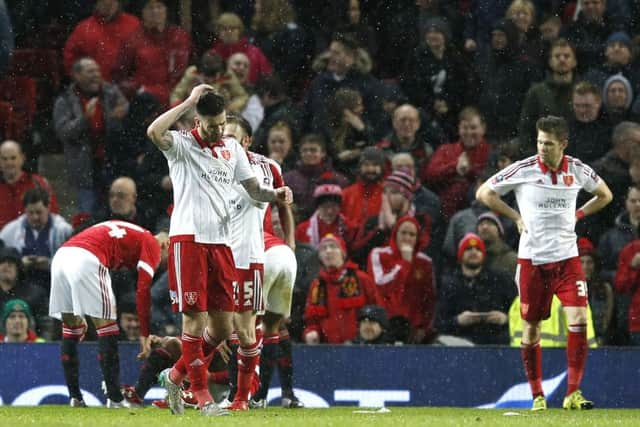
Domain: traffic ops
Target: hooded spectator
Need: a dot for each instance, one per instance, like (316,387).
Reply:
(405,280)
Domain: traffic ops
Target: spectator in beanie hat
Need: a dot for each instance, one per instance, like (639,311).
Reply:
(336,295)
(327,218)
(474,301)
(17,321)
(500,256)
(373,326)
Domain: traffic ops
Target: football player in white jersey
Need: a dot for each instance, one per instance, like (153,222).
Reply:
(203,167)
(279,275)
(546,188)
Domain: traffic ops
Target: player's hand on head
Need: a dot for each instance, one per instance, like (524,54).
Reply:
(197,91)
(145,348)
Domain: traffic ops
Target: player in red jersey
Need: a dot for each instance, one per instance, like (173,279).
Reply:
(81,287)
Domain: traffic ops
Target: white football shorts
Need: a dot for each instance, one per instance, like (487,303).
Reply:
(81,285)
(280,268)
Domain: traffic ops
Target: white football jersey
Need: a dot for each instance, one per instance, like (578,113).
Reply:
(202,176)
(547,203)
(247,215)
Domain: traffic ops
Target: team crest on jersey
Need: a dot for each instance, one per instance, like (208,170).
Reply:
(568,180)
(191,297)
(419,274)
(349,287)
(226,154)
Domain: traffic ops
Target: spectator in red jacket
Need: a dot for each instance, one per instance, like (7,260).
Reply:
(397,201)
(100,37)
(336,295)
(627,281)
(454,167)
(14,182)
(230,30)
(363,198)
(154,58)
(405,280)
(327,218)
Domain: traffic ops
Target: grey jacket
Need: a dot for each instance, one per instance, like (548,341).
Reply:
(72,128)
(13,234)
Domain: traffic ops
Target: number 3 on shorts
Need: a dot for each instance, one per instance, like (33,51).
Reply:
(581,285)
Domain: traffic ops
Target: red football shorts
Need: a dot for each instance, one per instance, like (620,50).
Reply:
(201,276)
(248,290)
(538,283)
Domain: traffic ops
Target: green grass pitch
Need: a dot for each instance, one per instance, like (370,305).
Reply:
(338,416)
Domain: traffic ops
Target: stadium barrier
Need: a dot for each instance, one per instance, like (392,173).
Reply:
(363,376)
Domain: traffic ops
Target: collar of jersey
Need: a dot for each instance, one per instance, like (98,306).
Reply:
(564,166)
(204,144)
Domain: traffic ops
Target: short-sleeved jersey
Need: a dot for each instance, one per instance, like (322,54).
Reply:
(247,217)
(202,175)
(547,204)
(120,244)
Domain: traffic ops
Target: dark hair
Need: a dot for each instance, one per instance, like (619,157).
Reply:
(556,126)
(270,85)
(632,187)
(313,138)
(586,88)
(622,131)
(469,112)
(36,195)
(561,42)
(346,40)
(211,64)
(232,119)
(210,104)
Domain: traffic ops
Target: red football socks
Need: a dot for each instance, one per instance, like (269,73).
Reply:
(532,361)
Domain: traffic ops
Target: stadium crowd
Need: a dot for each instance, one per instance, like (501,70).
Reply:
(385,117)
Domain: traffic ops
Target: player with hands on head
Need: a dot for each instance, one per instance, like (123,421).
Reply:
(203,167)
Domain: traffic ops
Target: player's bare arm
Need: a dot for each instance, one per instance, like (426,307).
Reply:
(288,224)
(265,194)
(601,197)
(492,200)
(158,131)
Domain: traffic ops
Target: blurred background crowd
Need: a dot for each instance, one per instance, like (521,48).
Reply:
(384,116)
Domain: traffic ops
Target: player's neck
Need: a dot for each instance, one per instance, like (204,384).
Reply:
(554,166)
